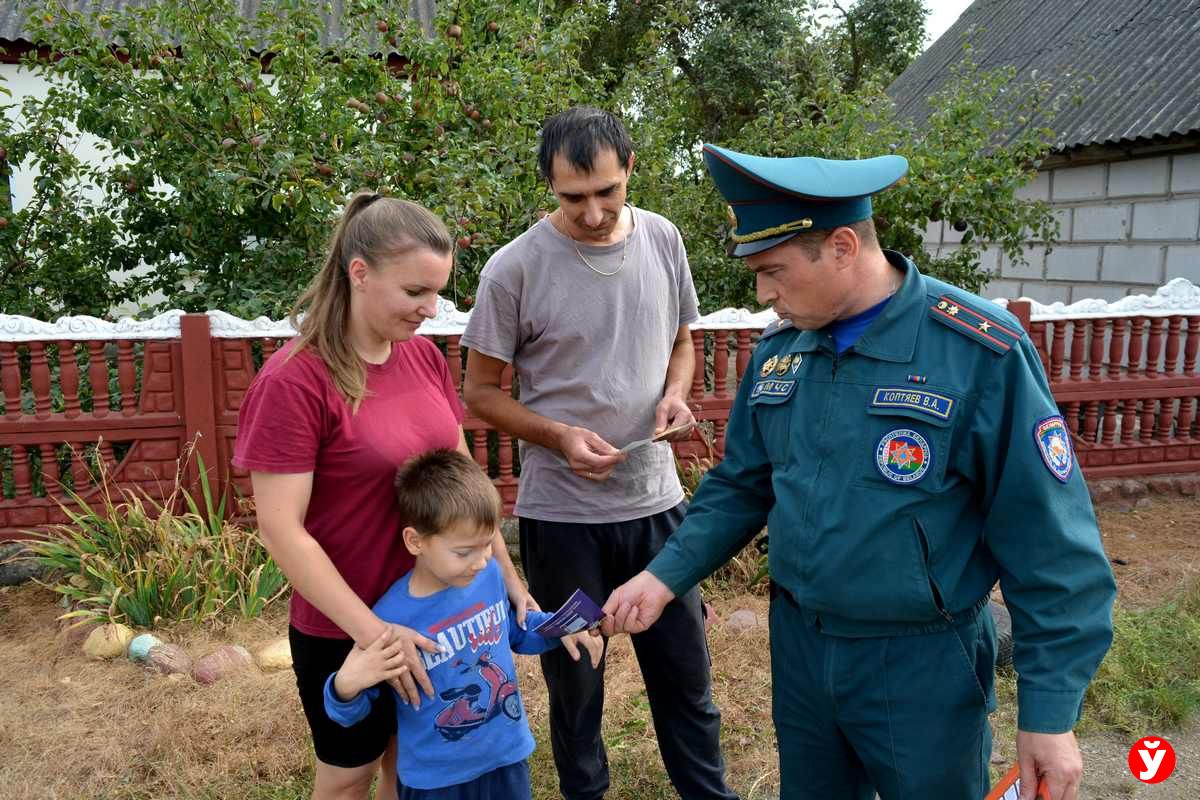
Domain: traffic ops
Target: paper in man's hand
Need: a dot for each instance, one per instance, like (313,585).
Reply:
(579,613)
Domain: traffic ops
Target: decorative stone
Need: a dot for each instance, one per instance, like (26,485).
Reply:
(221,663)
(1143,502)
(107,641)
(74,632)
(743,619)
(168,659)
(17,564)
(1161,484)
(1188,485)
(1102,491)
(277,655)
(1132,489)
(139,648)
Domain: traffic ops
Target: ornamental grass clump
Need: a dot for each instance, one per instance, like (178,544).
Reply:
(140,561)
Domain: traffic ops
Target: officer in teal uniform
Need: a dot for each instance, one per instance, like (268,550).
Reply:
(898,438)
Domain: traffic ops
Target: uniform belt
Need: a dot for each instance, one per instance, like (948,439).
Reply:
(841,626)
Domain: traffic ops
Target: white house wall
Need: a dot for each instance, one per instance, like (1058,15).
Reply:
(1126,227)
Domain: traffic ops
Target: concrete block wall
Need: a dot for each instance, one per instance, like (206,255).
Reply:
(1125,227)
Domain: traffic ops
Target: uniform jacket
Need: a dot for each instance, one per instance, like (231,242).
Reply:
(900,479)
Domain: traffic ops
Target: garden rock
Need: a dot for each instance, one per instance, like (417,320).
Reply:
(1133,489)
(741,620)
(220,663)
(17,564)
(277,655)
(169,659)
(139,648)
(74,632)
(107,641)
(1161,484)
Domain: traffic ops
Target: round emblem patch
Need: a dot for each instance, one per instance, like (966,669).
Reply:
(903,456)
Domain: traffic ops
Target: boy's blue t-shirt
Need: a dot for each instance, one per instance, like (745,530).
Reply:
(476,722)
(846,332)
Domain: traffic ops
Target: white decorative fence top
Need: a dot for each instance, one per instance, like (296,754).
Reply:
(1179,296)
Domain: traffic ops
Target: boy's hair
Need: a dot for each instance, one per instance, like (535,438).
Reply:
(440,488)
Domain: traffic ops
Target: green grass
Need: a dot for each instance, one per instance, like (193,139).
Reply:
(132,559)
(1150,679)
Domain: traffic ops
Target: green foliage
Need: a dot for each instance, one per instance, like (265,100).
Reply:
(1150,679)
(142,562)
(962,170)
(228,166)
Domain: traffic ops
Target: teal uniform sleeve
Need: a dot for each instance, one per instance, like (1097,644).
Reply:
(1042,531)
(729,507)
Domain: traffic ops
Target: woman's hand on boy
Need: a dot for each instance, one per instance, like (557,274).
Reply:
(383,660)
(522,601)
(594,645)
(407,682)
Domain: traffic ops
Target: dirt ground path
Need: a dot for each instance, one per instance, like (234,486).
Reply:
(1107,776)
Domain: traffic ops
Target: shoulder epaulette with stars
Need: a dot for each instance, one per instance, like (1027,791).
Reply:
(775,327)
(975,324)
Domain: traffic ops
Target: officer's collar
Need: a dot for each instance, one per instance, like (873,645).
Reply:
(893,334)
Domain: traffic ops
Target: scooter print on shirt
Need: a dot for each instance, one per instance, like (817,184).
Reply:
(473,704)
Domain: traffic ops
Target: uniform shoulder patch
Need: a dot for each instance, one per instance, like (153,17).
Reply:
(975,323)
(1054,443)
(778,326)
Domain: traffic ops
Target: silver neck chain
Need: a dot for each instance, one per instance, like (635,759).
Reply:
(624,250)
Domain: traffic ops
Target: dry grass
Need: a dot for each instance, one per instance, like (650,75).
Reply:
(72,728)
(1160,548)
(75,728)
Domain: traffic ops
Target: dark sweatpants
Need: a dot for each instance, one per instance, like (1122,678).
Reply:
(561,557)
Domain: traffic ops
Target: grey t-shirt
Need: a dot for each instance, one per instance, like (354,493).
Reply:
(589,350)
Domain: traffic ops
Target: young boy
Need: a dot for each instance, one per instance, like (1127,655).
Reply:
(472,741)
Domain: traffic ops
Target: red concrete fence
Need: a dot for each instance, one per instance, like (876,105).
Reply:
(83,397)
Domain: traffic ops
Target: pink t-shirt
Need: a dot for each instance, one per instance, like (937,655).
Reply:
(293,419)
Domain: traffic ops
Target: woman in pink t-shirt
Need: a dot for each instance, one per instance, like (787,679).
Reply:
(322,429)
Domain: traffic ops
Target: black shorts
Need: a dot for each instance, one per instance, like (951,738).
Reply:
(314,659)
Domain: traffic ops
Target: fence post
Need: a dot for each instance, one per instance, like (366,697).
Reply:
(199,400)
(1021,309)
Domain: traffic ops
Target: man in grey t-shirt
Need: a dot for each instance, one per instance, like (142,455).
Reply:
(591,306)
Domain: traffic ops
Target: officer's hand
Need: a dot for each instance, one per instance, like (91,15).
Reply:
(1052,758)
(589,456)
(635,605)
(673,412)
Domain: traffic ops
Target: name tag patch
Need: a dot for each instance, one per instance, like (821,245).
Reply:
(772,388)
(931,403)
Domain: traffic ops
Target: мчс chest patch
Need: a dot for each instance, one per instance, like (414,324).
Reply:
(771,387)
(931,403)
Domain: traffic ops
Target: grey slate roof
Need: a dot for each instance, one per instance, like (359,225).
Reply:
(12,15)
(1139,61)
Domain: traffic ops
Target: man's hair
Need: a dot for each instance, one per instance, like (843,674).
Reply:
(810,241)
(579,134)
(440,488)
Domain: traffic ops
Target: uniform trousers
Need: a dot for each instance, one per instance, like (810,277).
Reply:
(904,716)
